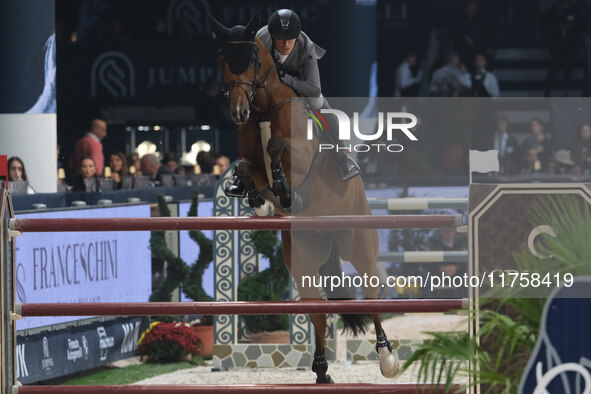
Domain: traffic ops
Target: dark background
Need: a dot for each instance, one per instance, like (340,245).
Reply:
(25,26)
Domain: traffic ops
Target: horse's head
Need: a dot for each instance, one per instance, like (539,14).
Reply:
(240,62)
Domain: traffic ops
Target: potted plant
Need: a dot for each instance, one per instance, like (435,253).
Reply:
(168,342)
(268,285)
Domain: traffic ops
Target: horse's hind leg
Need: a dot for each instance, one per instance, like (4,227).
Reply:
(364,260)
(389,366)
(256,200)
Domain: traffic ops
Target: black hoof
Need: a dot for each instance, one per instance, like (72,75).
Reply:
(324,380)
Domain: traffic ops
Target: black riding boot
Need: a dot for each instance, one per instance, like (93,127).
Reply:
(348,168)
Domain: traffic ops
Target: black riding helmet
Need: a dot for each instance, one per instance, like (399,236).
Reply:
(284,25)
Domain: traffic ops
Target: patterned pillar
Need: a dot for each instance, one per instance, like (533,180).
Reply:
(248,259)
(225,327)
(300,327)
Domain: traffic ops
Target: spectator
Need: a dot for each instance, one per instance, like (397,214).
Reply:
(539,141)
(530,164)
(582,149)
(473,35)
(119,169)
(407,85)
(222,163)
(484,82)
(451,80)
(170,162)
(505,144)
(205,161)
(135,167)
(151,167)
(564,40)
(59,162)
(17,172)
(87,179)
(562,164)
(90,145)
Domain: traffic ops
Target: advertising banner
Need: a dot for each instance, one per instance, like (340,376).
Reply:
(82,267)
(53,354)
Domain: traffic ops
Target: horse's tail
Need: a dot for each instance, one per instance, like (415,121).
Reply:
(354,323)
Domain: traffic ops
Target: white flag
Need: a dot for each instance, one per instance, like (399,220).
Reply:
(484,161)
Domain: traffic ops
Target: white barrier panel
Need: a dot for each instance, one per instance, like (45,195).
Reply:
(82,267)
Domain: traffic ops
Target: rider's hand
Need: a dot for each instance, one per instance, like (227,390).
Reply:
(287,79)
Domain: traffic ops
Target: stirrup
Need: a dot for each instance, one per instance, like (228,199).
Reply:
(235,189)
(348,168)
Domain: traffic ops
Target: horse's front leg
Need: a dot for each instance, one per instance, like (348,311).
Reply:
(320,365)
(276,148)
(256,200)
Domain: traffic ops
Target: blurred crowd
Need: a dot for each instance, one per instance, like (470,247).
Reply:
(90,170)
(466,63)
(536,154)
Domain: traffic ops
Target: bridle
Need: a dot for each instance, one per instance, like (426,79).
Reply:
(254,85)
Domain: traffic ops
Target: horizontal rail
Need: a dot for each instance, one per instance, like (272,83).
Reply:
(239,307)
(237,223)
(352,388)
(417,203)
(438,256)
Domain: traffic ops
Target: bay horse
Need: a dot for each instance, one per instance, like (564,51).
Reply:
(297,179)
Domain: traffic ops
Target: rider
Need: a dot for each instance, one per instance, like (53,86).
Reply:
(296,58)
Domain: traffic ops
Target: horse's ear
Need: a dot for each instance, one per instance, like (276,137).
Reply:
(253,25)
(220,30)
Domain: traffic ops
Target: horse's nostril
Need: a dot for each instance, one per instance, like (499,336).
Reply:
(244,114)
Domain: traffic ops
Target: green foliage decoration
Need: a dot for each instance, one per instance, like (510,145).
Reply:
(270,284)
(177,271)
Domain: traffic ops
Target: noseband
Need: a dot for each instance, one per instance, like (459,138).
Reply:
(254,85)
